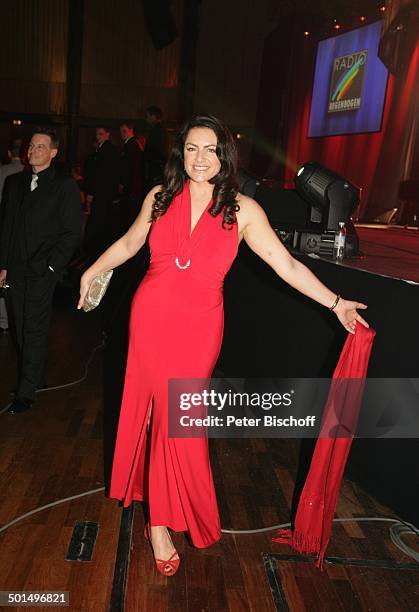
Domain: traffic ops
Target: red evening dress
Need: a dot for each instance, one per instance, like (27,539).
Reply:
(176,329)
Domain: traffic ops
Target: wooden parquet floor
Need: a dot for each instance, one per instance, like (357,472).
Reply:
(56,450)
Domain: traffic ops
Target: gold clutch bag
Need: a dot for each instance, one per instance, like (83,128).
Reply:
(97,290)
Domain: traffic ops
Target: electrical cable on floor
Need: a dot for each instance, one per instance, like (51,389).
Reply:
(74,382)
(396,530)
(399,527)
(56,503)
(79,380)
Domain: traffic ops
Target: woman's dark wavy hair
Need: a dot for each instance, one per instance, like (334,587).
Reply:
(225,182)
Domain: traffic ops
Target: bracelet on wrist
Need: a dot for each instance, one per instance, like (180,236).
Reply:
(335,303)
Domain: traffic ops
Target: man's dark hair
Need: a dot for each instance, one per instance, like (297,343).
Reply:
(48,132)
(103,127)
(155,111)
(129,124)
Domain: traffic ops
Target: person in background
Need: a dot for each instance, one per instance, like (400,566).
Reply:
(132,175)
(155,147)
(76,174)
(102,178)
(15,165)
(141,140)
(40,231)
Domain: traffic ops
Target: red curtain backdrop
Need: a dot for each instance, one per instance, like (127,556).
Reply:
(372,161)
(354,156)
(393,161)
(376,162)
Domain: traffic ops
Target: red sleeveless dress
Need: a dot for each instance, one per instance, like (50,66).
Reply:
(176,330)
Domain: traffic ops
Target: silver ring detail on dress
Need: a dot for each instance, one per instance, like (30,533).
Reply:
(179,265)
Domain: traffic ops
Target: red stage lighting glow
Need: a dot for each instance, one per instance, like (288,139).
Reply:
(306,33)
(382,9)
(362,18)
(337,26)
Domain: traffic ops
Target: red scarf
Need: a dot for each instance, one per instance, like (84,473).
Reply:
(317,504)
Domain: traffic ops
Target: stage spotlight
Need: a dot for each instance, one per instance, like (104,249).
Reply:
(332,199)
(306,33)
(362,18)
(307,217)
(382,9)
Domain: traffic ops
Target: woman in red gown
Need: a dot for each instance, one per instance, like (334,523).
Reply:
(196,221)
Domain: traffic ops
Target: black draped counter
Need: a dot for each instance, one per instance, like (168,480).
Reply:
(272,330)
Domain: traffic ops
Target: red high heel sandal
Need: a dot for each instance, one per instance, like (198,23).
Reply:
(166,567)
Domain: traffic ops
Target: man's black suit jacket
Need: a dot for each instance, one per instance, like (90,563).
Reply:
(155,154)
(132,169)
(102,172)
(47,221)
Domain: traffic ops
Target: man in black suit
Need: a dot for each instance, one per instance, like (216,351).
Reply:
(131,177)
(102,179)
(40,231)
(155,150)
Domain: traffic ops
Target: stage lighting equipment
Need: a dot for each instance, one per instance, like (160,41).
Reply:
(307,218)
(332,199)
(285,209)
(248,185)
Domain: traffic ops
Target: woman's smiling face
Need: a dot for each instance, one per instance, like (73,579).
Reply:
(200,154)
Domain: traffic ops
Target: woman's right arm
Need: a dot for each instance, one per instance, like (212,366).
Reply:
(123,249)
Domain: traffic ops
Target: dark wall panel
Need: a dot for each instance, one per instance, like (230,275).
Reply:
(33,56)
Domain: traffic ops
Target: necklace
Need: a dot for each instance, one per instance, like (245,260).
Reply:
(188,263)
(190,234)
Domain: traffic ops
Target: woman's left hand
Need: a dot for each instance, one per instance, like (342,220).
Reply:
(346,312)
